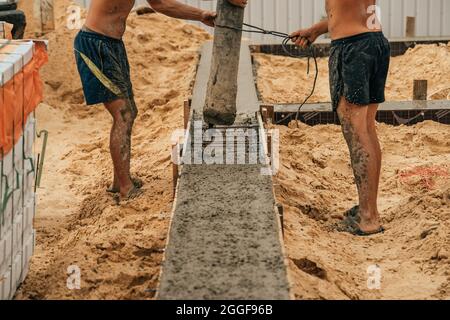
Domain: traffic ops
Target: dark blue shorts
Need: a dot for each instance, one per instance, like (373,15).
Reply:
(359,68)
(103,67)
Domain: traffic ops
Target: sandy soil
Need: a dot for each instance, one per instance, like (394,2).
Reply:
(284,79)
(316,187)
(118,248)
(33,29)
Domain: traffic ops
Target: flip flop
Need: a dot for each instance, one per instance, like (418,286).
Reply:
(138,183)
(350,225)
(134,193)
(353,212)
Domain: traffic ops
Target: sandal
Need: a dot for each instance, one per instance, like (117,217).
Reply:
(351,225)
(138,183)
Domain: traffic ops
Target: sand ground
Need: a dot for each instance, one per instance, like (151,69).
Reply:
(119,249)
(279,77)
(316,186)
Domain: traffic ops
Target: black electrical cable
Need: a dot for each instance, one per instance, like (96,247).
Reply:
(286,38)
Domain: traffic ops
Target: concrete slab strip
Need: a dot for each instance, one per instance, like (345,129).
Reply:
(225,237)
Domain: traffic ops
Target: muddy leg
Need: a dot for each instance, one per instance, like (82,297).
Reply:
(371,128)
(364,159)
(124,113)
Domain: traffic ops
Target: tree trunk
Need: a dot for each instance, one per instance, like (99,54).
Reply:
(220,107)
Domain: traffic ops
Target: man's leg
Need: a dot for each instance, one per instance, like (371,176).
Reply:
(124,113)
(363,154)
(372,129)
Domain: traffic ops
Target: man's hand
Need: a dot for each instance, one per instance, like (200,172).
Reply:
(208,18)
(239,3)
(305,37)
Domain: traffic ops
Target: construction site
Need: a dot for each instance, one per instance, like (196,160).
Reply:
(256,225)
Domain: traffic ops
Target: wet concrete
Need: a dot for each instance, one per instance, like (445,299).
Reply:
(224,240)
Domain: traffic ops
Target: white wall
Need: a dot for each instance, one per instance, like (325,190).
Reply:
(432,16)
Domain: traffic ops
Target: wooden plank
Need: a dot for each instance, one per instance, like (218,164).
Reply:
(44,14)
(6,30)
(420,91)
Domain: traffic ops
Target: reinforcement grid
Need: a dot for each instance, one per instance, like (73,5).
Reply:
(409,117)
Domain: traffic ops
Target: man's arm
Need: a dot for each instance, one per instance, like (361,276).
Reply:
(305,37)
(175,9)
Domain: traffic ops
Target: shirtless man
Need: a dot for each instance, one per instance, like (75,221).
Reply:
(105,73)
(359,63)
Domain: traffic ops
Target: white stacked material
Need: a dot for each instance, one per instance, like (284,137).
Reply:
(17,197)
(17,235)
(13,57)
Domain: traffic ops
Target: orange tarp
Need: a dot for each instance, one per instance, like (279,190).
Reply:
(19,97)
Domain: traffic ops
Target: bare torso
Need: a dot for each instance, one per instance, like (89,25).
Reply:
(350,17)
(109,17)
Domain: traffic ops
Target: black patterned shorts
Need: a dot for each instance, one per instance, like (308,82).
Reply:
(359,67)
(103,67)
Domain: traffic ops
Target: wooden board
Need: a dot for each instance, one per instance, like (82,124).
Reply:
(44,14)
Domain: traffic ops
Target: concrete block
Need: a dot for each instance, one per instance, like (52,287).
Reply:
(5,252)
(5,285)
(4,228)
(28,249)
(7,163)
(28,188)
(7,214)
(6,247)
(16,271)
(18,150)
(29,135)
(18,201)
(6,181)
(2,252)
(30,198)
(29,166)
(28,219)
(29,178)
(18,188)
(17,234)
